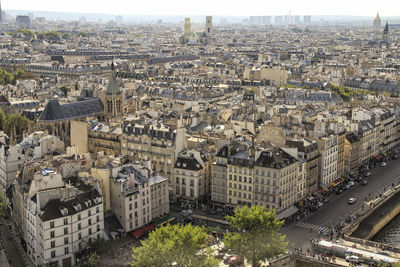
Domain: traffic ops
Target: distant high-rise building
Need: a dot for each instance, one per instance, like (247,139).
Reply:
(23,21)
(296,19)
(187,26)
(377,21)
(307,19)
(1,14)
(278,20)
(260,20)
(287,19)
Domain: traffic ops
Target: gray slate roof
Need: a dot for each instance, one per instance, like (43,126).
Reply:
(55,112)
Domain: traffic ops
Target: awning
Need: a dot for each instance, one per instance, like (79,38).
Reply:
(142,231)
(337,181)
(164,220)
(287,213)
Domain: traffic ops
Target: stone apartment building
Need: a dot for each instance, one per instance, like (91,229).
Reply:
(352,153)
(104,137)
(137,197)
(57,217)
(328,163)
(156,143)
(219,177)
(307,150)
(191,175)
(340,160)
(33,146)
(275,179)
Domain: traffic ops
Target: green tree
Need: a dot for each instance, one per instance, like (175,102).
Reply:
(3,118)
(184,245)
(6,77)
(64,89)
(93,259)
(17,122)
(256,237)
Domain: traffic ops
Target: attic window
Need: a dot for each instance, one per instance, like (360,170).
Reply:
(197,165)
(77,206)
(178,164)
(184,164)
(97,200)
(63,210)
(88,203)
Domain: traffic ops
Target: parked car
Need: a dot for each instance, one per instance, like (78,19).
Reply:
(383,164)
(352,259)
(346,186)
(364,182)
(339,191)
(395,156)
(235,261)
(359,178)
(320,204)
(351,183)
(367,174)
(352,200)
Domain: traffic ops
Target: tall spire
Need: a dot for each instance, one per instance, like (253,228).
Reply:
(112,87)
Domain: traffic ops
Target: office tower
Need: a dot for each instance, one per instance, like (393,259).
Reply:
(23,21)
(296,20)
(307,19)
(278,20)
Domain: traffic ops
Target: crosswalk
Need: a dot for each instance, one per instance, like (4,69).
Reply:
(317,228)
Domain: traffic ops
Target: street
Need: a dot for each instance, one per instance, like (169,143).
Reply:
(337,209)
(14,253)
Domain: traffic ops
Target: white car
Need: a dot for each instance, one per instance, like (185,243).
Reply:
(352,200)
(352,259)
(383,164)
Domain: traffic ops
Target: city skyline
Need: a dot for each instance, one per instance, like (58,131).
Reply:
(235,8)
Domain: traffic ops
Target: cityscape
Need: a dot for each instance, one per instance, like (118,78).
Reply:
(224,139)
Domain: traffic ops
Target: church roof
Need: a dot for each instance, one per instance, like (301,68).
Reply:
(55,112)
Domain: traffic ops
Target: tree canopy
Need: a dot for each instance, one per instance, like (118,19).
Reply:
(11,78)
(256,237)
(9,122)
(183,245)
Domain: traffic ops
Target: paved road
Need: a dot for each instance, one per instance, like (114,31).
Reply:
(13,252)
(298,233)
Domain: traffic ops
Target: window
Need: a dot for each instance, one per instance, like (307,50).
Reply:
(66,250)
(52,234)
(65,240)
(53,244)
(97,210)
(79,235)
(130,206)
(65,230)
(53,254)
(65,221)
(98,218)
(79,217)
(90,231)
(98,227)
(90,221)
(79,226)
(89,213)
(136,205)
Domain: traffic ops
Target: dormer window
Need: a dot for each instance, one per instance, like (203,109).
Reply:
(97,200)
(184,165)
(63,210)
(77,206)
(88,203)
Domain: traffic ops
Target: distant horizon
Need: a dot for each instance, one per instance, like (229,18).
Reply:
(231,8)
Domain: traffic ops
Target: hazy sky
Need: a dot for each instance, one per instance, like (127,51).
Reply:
(212,7)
